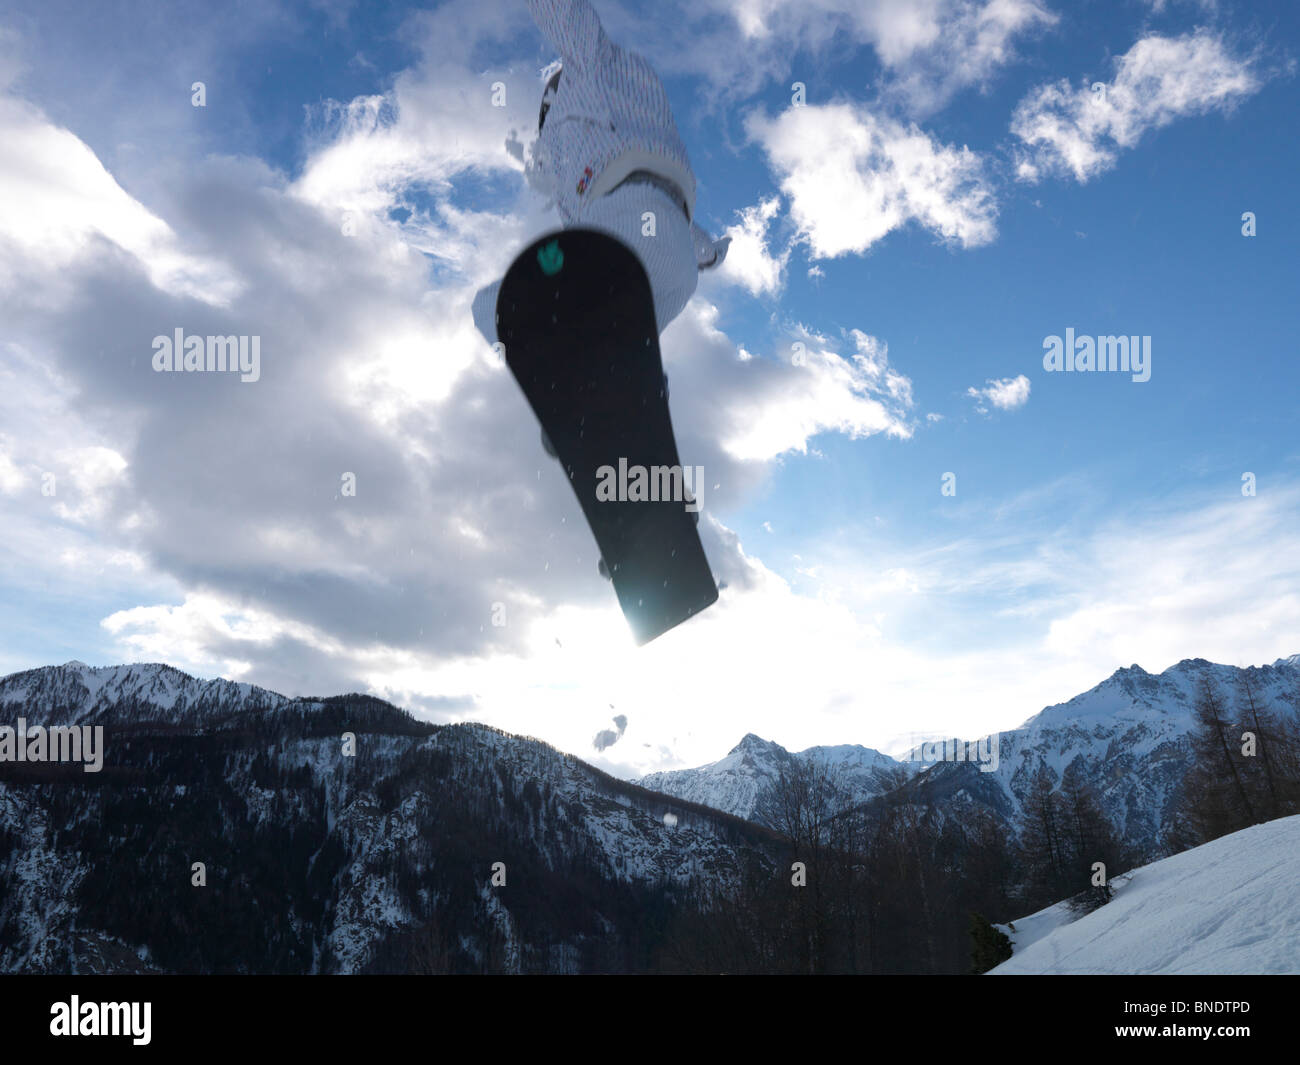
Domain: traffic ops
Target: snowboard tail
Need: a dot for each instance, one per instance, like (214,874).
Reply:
(576,315)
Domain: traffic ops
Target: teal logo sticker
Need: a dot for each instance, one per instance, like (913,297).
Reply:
(550,258)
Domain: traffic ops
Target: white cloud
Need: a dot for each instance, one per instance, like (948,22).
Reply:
(1075,601)
(422,133)
(853,176)
(779,405)
(929,50)
(947,626)
(749,263)
(1079,130)
(1159,6)
(92,474)
(970,43)
(255,568)
(56,199)
(259,569)
(11,477)
(1217,580)
(1005,393)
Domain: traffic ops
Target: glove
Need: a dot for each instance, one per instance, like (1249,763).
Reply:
(720,253)
(709,253)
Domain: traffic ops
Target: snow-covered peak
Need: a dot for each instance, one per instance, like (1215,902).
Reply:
(850,755)
(75,692)
(1133,694)
(744,782)
(752,744)
(1127,735)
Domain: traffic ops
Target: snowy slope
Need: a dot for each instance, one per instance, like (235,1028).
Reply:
(1229,906)
(627,837)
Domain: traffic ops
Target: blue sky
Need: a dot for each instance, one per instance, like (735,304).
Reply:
(963,180)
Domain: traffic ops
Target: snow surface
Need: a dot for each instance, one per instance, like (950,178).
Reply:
(1231,906)
(1027,930)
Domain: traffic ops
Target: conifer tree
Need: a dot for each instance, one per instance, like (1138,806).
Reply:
(989,947)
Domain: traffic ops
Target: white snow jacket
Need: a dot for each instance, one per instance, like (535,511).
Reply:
(610,117)
(609,120)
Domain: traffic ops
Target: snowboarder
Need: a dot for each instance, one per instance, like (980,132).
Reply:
(580,311)
(607,152)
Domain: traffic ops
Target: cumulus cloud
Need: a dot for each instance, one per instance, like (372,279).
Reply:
(57,200)
(749,262)
(853,176)
(960,45)
(1066,589)
(215,506)
(92,473)
(1004,393)
(460,578)
(358,351)
(776,405)
(926,51)
(1078,131)
(11,477)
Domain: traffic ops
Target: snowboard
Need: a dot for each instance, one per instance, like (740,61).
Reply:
(576,316)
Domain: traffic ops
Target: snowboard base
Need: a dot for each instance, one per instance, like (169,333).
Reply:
(576,315)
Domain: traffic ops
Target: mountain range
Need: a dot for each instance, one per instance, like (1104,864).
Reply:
(317,860)
(1127,737)
(234,829)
